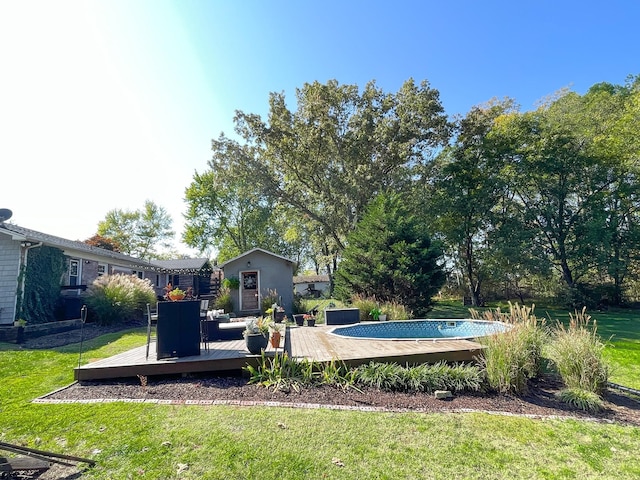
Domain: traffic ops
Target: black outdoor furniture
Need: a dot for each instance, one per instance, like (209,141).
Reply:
(341,316)
(178,330)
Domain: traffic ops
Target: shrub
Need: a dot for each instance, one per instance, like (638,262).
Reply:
(396,311)
(576,353)
(365,305)
(224,301)
(383,376)
(420,378)
(582,399)
(118,298)
(269,299)
(282,372)
(511,358)
(231,283)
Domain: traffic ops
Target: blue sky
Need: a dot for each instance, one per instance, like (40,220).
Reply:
(104,104)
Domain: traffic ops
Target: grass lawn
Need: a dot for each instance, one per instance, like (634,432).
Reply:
(216,442)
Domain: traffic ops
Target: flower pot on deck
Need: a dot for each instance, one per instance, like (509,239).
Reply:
(256,342)
(299,319)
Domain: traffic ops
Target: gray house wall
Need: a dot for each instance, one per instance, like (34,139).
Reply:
(274,274)
(9,271)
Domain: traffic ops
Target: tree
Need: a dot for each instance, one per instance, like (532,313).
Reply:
(139,233)
(463,187)
(390,256)
(104,243)
(327,159)
(557,183)
(226,212)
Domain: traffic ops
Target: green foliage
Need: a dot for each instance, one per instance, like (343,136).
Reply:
(232,283)
(511,358)
(119,298)
(45,268)
(390,256)
(576,352)
(268,300)
(138,233)
(224,301)
(582,399)
(281,372)
(420,378)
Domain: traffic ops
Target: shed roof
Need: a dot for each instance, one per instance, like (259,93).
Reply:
(253,250)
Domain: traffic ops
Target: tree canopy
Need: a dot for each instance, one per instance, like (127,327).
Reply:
(138,233)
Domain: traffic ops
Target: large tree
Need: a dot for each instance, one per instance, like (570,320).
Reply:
(559,181)
(340,147)
(138,233)
(390,256)
(462,188)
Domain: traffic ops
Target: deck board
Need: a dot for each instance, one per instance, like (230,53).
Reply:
(311,343)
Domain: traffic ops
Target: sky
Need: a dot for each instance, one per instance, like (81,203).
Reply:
(105,104)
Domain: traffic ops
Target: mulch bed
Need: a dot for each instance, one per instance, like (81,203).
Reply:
(540,401)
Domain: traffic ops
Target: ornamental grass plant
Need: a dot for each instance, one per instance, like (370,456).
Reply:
(118,298)
(576,352)
(513,357)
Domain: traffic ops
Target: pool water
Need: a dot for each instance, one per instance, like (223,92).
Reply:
(422,329)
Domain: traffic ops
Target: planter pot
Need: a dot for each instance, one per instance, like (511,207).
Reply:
(311,322)
(175,298)
(382,317)
(299,319)
(278,317)
(275,339)
(256,342)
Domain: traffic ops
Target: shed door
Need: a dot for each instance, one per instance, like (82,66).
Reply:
(249,292)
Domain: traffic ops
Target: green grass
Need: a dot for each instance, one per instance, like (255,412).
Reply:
(221,442)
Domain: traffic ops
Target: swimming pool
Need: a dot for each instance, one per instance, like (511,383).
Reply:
(445,329)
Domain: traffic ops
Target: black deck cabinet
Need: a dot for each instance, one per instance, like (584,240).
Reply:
(178,331)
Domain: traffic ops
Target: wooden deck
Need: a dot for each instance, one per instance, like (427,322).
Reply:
(299,342)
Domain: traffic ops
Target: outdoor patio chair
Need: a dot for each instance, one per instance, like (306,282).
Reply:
(152,317)
(204,307)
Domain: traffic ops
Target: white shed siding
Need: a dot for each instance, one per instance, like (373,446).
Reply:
(9,270)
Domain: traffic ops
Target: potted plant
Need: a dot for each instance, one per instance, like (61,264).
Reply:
(375,313)
(256,335)
(276,333)
(310,319)
(299,319)
(176,294)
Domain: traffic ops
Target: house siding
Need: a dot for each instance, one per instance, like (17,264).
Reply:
(274,274)
(9,270)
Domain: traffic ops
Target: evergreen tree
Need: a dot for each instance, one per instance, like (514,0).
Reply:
(390,256)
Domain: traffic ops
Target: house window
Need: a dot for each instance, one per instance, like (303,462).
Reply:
(74,272)
(102,269)
(138,274)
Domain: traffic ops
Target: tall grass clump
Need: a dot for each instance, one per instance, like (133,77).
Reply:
(224,301)
(576,352)
(511,358)
(365,305)
(118,298)
(396,311)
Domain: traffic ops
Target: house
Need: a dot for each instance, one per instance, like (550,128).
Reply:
(197,273)
(311,285)
(85,263)
(261,274)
